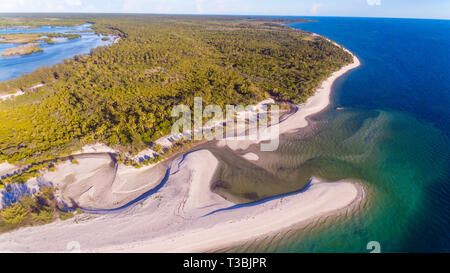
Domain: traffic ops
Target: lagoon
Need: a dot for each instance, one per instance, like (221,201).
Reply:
(14,66)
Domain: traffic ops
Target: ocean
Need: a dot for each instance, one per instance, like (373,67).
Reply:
(392,135)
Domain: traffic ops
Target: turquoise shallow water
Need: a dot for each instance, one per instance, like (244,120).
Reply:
(393,136)
(404,78)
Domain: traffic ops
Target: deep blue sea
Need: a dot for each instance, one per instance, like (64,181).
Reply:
(406,64)
(14,66)
(392,136)
(401,93)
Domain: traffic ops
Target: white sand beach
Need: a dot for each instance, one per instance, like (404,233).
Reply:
(251,156)
(249,223)
(176,218)
(173,220)
(96,181)
(316,103)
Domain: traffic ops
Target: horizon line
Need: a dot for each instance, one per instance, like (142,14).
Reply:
(215,14)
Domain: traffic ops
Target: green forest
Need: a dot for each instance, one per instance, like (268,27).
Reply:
(122,95)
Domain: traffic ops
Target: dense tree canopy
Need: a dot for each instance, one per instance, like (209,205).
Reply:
(123,94)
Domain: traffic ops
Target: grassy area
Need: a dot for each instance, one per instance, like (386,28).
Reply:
(33,170)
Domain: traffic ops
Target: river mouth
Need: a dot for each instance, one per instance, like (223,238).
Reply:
(12,67)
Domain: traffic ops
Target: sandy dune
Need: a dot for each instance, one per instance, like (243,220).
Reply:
(9,96)
(98,182)
(200,199)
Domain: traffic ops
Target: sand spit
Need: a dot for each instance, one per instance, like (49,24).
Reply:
(248,223)
(173,219)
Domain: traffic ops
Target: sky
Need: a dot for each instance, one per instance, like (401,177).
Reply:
(358,8)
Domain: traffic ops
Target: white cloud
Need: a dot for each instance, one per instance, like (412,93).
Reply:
(373,2)
(315,7)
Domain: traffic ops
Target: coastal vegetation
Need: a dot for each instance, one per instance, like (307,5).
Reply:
(29,21)
(122,95)
(30,210)
(50,37)
(22,50)
(20,38)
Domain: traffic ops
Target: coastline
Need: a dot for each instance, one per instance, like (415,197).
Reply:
(181,222)
(340,196)
(321,199)
(287,212)
(315,104)
(176,220)
(320,100)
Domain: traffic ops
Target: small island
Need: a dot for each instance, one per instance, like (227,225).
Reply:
(51,38)
(30,41)
(20,38)
(22,50)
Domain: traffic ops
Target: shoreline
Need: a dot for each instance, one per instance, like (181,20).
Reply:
(175,219)
(180,221)
(256,227)
(321,98)
(321,199)
(314,104)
